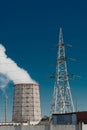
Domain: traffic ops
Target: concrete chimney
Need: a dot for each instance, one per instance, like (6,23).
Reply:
(26,103)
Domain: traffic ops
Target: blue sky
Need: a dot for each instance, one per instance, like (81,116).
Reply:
(29,31)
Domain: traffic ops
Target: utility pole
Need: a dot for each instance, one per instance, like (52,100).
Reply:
(5,101)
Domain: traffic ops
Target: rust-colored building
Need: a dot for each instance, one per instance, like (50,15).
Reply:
(82,116)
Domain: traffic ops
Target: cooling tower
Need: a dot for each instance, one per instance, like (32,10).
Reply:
(26,103)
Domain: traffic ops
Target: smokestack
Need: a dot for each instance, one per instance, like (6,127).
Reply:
(5,98)
(26,106)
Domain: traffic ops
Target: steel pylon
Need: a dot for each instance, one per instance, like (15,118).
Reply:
(62,98)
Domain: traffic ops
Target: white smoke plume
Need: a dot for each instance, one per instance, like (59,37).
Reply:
(4,80)
(9,68)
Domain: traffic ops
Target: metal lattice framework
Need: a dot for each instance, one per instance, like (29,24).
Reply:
(62,98)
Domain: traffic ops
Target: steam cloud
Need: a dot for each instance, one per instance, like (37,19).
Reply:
(9,68)
(4,80)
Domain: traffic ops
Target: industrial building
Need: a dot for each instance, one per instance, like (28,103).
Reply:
(70,118)
(19,126)
(26,104)
(67,121)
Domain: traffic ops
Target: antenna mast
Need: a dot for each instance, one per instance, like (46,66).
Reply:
(62,98)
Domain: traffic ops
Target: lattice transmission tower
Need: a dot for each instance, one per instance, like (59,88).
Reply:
(62,98)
